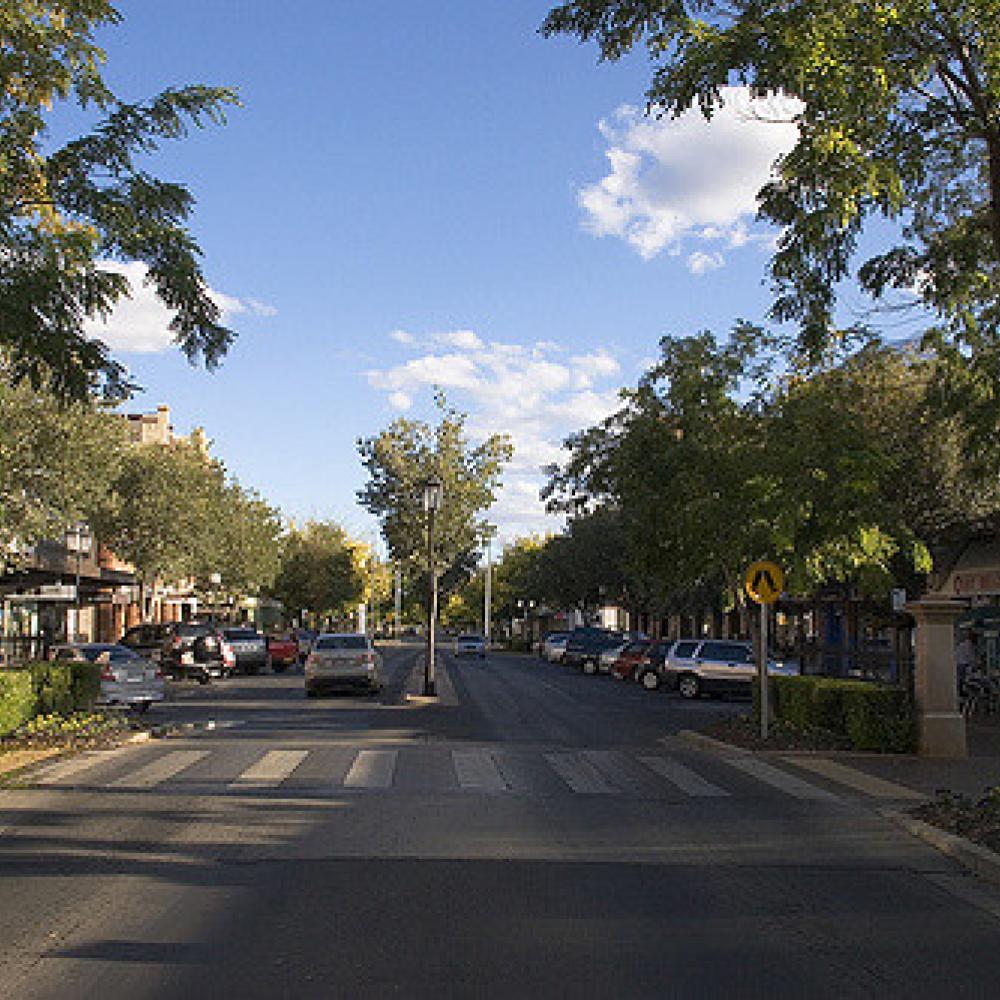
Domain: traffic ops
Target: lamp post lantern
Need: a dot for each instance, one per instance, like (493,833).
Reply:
(433,495)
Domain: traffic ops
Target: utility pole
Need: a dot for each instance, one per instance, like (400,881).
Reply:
(487,597)
(398,606)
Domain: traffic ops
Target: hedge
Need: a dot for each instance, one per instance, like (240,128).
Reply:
(43,688)
(17,699)
(871,717)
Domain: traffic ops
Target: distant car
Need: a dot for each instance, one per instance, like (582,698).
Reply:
(196,650)
(553,645)
(283,650)
(305,637)
(146,639)
(585,646)
(470,645)
(649,671)
(609,656)
(342,659)
(249,647)
(126,677)
(630,658)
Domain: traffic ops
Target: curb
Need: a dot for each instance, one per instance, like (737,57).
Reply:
(711,744)
(17,760)
(980,860)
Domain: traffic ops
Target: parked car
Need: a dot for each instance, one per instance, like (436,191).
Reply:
(146,639)
(342,659)
(249,648)
(198,650)
(609,656)
(625,666)
(553,645)
(470,645)
(649,671)
(305,637)
(283,651)
(715,666)
(585,646)
(126,677)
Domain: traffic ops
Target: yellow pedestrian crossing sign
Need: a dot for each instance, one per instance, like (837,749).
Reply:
(764,582)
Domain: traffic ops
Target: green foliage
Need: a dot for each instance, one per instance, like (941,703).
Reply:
(871,717)
(85,685)
(55,462)
(402,458)
(319,571)
(53,685)
(17,699)
(66,210)
(897,117)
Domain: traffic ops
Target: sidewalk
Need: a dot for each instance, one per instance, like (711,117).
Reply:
(980,770)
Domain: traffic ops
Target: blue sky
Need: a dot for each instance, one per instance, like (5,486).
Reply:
(421,193)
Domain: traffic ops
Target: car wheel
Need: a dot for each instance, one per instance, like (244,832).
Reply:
(589,667)
(689,686)
(650,680)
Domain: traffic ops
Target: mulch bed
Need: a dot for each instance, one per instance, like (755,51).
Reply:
(975,819)
(743,731)
(85,731)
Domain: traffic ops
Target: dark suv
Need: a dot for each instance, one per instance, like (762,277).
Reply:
(585,645)
(195,649)
(146,640)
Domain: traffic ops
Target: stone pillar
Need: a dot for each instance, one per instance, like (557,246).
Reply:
(940,725)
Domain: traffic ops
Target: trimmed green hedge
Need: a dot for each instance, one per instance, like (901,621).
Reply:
(871,717)
(45,688)
(17,699)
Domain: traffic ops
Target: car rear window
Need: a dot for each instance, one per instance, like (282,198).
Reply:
(470,638)
(187,631)
(342,642)
(685,650)
(117,655)
(731,652)
(241,633)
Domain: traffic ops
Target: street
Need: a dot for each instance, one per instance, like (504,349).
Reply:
(535,833)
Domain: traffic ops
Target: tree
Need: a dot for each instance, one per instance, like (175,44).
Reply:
(55,463)
(245,540)
(319,571)
(899,118)
(402,458)
(65,210)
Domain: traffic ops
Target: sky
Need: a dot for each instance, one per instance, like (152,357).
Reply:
(420,195)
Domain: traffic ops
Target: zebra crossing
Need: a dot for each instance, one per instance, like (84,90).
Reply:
(489,770)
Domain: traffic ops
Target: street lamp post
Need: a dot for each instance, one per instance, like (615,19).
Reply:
(433,495)
(78,539)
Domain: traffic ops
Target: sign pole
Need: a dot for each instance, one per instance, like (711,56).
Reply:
(762,672)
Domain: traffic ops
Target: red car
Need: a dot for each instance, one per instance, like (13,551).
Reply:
(629,658)
(283,651)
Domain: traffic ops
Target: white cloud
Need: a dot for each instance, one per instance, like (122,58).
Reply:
(686,178)
(141,324)
(701,263)
(402,337)
(517,389)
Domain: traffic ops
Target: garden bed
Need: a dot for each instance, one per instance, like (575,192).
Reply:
(977,820)
(744,731)
(77,731)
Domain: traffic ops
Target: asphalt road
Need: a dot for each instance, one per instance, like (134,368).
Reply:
(536,834)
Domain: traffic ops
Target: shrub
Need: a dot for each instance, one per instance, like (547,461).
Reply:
(53,683)
(869,716)
(86,685)
(17,699)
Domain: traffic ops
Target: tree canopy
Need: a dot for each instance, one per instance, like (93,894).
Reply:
(65,210)
(899,117)
(402,458)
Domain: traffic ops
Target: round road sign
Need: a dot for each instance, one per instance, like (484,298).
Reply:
(764,582)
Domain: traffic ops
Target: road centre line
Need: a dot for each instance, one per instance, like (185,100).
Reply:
(683,777)
(580,774)
(271,770)
(160,769)
(372,769)
(478,770)
(877,788)
(779,779)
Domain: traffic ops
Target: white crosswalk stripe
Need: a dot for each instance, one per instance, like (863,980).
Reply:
(477,770)
(53,774)
(683,777)
(372,769)
(779,779)
(271,770)
(160,769)
(580,774)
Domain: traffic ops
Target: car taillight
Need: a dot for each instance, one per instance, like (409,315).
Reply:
(369,658)
(158,674)
(107,674)
(177,642)
(311,660)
